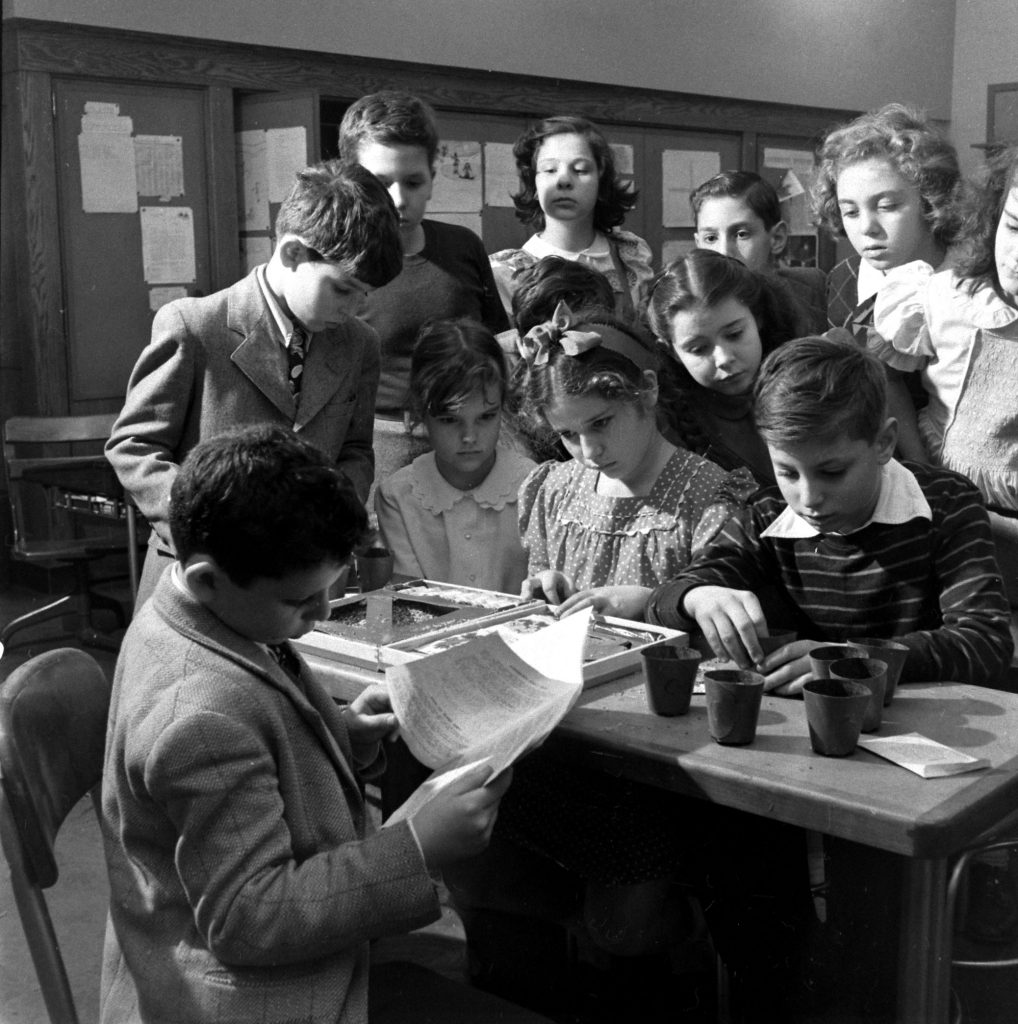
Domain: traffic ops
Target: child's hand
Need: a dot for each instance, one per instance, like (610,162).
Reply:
(369,719)
(457,822)
(550,586)
(787,669)
(622,602)
(730,620)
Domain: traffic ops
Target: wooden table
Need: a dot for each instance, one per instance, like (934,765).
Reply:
(862,798)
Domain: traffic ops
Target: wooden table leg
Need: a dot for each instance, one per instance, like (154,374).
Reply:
(924,961)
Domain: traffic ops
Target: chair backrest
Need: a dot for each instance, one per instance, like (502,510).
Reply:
(53,712)
(45,456)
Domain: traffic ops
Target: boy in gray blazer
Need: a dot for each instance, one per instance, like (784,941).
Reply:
(245,882)
(282,345)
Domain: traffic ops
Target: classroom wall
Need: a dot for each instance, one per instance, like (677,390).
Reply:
(780,51)
(985,53)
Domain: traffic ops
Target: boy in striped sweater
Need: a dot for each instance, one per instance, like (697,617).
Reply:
(853,542)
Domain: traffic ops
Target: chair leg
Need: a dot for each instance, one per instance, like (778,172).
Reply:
(38,927)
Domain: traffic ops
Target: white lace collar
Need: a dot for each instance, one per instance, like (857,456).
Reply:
(437,495)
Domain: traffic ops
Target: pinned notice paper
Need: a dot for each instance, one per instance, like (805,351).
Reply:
(167,244)
(922,755)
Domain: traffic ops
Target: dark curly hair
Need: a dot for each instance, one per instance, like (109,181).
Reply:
(981,210)
(615,198)
(539,288)
(705,278)
(600,371)
(916,148)
(263,503)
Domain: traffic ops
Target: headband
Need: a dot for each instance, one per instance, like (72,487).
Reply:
(576,338)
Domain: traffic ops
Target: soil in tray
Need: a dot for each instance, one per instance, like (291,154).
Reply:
(353,616)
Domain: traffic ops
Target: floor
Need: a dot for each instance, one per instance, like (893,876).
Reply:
(78,904)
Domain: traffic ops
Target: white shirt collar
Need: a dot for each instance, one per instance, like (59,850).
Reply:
(283,322)
(901,499)
(538,247)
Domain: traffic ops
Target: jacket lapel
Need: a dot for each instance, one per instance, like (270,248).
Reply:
(326,366)
(191,619)
(259,354)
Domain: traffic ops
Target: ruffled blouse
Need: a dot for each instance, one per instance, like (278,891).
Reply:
(470,538)
(966,349)
(634,255)
(599,540)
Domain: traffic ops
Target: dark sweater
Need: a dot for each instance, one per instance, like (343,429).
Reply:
(449,277)
(932,585)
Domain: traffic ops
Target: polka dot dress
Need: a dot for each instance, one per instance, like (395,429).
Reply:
(598,540)
(604,829)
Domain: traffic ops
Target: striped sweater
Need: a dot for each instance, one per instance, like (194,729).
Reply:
(932,585)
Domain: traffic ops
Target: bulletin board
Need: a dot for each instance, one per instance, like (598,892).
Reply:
(133,212)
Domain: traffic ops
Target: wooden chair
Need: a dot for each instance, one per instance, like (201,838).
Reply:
(53,713)
(67,506)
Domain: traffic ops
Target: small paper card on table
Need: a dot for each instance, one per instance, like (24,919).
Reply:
(922,755)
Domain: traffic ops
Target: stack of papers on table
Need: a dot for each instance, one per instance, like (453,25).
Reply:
(922,755)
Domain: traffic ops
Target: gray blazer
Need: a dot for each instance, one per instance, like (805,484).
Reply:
(244,885)
(214,364)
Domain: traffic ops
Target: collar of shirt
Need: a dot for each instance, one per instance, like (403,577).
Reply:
(901,499)
(437,495)
(538,247)
(283,322)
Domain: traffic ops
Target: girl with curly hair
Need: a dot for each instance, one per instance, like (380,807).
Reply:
(888,182)
(571,194)
(959,329)
(718,319)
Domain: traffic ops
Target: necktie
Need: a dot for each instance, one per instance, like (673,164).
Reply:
(296,351)
(287,659)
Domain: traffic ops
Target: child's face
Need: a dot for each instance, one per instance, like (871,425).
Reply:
(1005,245)
(719,345)
(566,178)
(406,174)
(883,215)
(464,438)
(727,224)
(614,437)
(319,295)
(833,483)
(272,610)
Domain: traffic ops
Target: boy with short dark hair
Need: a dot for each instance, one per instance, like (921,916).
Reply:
(738,213)
(857,543)
(245,883)
(445,271)
(280,346)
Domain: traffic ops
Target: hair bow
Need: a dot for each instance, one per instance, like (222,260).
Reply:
(535,346)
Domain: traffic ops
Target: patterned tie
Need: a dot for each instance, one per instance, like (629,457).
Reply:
(287,659)
(296,352)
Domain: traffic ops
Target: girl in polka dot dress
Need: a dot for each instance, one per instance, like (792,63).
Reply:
(630,509)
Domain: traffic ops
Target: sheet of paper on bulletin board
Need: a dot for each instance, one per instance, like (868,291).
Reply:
(501,179)
(792,172)
(459,178)
(682,170)
(167,244)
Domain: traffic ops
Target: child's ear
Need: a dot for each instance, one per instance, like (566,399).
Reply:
(202,576)
(779,238)
(650,389)
(292,252)
(886,440)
